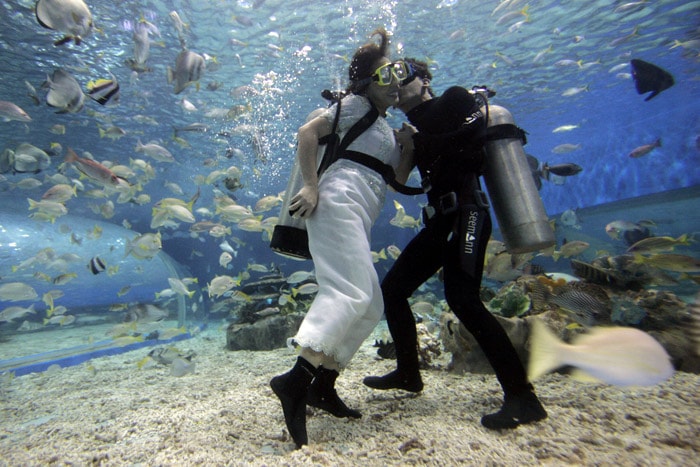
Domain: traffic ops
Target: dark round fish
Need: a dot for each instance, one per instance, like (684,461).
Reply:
(649,77)
(563,170)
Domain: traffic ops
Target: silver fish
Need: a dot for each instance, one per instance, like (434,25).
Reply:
(10,111)
(166,355)
(142,44)
(17,291)
(189,68)
(14,312)
(145,313)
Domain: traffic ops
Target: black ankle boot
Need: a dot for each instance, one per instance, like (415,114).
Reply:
(396,380)
(292,389)
(517,409)
(322,395)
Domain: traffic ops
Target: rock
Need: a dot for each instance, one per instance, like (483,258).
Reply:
(266,334)
(467,356)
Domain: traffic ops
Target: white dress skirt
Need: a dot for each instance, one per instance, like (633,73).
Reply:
(349,302)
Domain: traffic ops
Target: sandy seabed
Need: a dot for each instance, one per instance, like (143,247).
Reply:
(109,412)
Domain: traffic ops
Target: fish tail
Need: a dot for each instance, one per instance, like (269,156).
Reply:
(544,356)
(128,248)
(67,39)
(657,143)
(526,12)
(194,199)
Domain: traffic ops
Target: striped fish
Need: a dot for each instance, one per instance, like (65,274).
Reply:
(96,265)
(586,303)
(104,90)
(694,329)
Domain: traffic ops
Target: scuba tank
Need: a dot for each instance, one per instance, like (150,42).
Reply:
(516,202)
(289,238)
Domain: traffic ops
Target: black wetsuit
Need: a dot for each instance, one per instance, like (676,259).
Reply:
(449,153)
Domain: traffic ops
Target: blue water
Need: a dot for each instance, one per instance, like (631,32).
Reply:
(288,51)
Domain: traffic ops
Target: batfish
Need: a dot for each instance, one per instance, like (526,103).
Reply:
(189,68)
(71,17)
(64,92)
(648,77)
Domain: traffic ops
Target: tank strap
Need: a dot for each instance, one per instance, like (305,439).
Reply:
(336,146)
(385,170)
(506,131)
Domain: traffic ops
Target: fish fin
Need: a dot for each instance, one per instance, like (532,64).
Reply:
(41,23)
(544,355)
(65,40)
(580,375)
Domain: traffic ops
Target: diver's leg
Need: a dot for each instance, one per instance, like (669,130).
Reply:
(416,264)
(462,294)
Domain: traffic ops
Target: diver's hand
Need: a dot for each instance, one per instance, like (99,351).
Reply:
(404,135)
(304,202)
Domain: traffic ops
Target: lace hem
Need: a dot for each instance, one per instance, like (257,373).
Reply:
(294,343)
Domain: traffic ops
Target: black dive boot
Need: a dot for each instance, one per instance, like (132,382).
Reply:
(406,376)
(396,380)
(518,409)
(292,389)
(322,395)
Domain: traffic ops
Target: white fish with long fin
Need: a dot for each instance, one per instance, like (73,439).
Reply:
(615,355)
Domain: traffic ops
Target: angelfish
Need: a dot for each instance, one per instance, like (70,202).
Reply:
(71,17)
